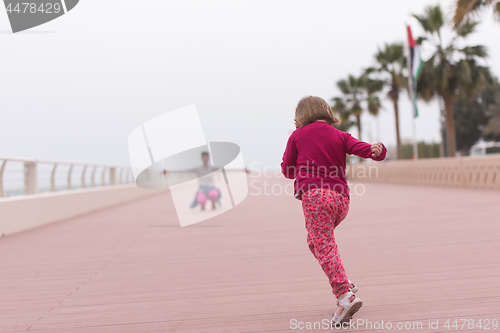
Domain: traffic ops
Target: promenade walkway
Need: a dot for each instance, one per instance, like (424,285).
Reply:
(416,253)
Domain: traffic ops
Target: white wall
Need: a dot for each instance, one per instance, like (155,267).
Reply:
(481,172)
(30,211)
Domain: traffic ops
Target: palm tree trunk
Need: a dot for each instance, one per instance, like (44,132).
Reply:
(451,137)
(398,139)
(358,124)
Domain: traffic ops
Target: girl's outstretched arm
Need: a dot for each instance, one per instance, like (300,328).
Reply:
(353,146)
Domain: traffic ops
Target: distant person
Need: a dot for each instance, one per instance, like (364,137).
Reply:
(315,157)
(207,190)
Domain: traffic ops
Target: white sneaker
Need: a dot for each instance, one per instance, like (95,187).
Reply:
(350,308)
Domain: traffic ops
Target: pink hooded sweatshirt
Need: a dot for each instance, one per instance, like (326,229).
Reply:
(315,156)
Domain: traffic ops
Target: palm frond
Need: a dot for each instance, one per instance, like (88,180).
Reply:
(475,51)
(339,106)
(374,105)
(356,109)
(424,22)
(465,28)
(420,40)
(427,81)
(431,21)
(373,86)
(343,87)
(370,70)
(435,18)
(465,9)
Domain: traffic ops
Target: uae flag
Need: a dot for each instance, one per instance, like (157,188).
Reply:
(414,67)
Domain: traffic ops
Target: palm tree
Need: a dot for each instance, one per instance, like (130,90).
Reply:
(340,108)
(451,70)
(466,9)
(391,62)
(357,91)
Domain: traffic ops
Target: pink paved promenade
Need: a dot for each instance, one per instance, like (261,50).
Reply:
(416,253)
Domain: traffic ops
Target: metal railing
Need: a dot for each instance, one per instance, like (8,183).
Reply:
(19,176)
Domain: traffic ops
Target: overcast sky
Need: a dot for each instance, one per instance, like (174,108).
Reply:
(74,88)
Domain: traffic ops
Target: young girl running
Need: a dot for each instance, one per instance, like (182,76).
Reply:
(315,157)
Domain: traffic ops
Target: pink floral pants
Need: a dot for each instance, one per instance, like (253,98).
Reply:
(324,209)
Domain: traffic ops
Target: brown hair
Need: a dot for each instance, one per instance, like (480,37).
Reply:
(311,109)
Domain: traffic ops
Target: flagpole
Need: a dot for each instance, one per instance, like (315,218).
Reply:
(412,97)
(415,146)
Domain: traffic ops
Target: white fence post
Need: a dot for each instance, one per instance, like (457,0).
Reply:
(53,178)
(69,176)
(93,177)
(112,176)
(103,177)
(83,176)
(2,192)
(30,178)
